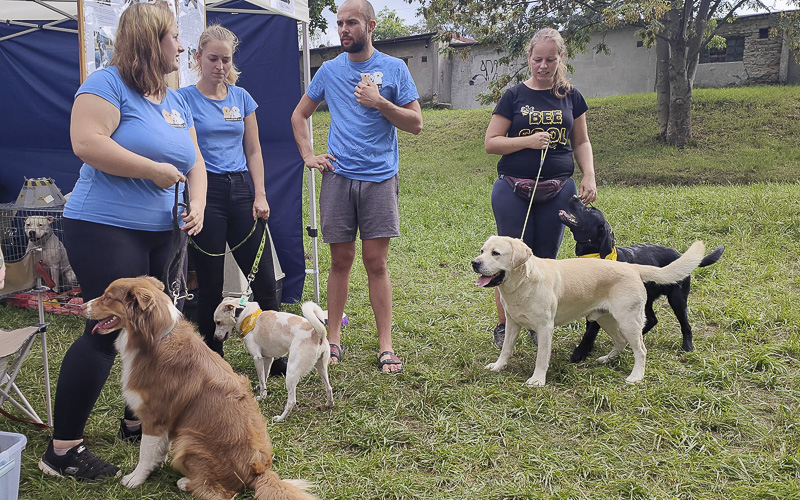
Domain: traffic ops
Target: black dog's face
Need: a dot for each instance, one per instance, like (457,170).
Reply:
(589,227)
(584,222)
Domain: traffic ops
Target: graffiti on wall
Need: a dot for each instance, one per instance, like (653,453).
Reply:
(489,70)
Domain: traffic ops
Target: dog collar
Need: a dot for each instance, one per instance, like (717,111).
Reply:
(249,323)
(611,256)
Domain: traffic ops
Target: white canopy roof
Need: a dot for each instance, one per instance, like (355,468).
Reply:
(52,10)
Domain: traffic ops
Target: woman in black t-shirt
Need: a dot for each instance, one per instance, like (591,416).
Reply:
(544,111)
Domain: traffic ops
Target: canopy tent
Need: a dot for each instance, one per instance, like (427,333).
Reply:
(41,75)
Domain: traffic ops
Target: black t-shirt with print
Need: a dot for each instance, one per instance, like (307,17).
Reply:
(532,111)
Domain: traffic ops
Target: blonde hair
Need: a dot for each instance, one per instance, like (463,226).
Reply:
(137,47)
(561,86)
(221,33)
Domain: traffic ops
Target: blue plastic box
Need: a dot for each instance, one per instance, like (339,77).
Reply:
(11,446)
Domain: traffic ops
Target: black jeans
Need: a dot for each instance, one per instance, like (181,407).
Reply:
(99,254)
(229,218)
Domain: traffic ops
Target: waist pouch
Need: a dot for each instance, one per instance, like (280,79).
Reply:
(545,190)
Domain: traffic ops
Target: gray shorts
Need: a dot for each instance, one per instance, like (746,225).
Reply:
(349,207)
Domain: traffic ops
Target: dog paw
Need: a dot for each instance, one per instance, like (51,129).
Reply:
(329,404)
(132,480)
(278,418)
(183,483)
(634,380)
(603,359)
(534,382)
(495,367)
(261,395)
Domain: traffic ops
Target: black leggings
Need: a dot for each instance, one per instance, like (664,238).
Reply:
(229,218)
(99,254)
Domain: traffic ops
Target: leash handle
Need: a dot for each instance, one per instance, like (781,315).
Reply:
(533,193)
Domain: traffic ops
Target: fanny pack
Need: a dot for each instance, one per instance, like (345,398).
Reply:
(545,190)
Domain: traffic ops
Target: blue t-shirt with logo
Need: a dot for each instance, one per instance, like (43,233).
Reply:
(159,132)
(220,127)
(361,139)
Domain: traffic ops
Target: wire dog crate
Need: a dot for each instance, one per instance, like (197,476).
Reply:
(37,273)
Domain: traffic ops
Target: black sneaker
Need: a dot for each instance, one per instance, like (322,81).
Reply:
(128,435)
(499,335)
(79,463)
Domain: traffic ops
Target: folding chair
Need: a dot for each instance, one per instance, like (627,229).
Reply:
(15,345)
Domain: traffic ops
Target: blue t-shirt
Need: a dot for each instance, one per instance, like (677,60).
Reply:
(361,139)
(532,111)
(220,127)
(159,132)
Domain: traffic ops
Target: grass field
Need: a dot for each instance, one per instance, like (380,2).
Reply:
(720,422)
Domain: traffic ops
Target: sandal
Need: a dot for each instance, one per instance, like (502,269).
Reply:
(337,351)
(389,358)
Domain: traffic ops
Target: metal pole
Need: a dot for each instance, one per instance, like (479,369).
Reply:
(312,187)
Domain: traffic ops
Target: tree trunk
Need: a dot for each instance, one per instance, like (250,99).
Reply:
(662,86)
(679,127)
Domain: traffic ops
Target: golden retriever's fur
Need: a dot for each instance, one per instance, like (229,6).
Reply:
(540,294)
(275,333)
(186,394)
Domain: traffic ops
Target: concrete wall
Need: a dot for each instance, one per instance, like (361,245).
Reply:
(629,69)
(472,68)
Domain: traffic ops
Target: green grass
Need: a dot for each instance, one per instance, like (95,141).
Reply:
(720,422)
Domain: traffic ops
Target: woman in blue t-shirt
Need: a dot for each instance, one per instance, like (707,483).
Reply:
(227,132)
(543,112)
(137,140)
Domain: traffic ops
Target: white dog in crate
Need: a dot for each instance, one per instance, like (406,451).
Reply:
(39,230)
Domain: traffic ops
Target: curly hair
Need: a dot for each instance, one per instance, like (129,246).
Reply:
(137,47)
(561,86)
(221,33)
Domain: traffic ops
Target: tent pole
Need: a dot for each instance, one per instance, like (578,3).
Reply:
(312,187)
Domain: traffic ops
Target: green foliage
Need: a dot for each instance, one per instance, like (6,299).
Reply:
(316,20)
(717,423)
(389,25)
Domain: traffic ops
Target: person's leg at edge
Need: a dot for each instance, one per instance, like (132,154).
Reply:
(210,270)
(342,257)
(375,253)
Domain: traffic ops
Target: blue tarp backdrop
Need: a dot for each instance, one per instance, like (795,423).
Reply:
(40,76)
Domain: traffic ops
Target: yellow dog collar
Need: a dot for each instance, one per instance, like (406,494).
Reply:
(611,256)
(249,323)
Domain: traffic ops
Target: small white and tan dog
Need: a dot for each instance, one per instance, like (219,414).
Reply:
(271,334)
(39,230)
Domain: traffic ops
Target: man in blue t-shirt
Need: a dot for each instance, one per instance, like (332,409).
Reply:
(370,95)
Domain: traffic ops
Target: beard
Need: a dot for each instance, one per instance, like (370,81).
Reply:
(357,45)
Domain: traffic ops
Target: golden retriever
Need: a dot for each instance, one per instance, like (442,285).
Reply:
(271,334)
(540,294)
(187,396)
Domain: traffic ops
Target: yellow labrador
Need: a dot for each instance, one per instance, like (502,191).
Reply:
(540,294)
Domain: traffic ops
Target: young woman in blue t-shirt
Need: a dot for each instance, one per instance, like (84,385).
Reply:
(137,140)
(227,132)
(543,112)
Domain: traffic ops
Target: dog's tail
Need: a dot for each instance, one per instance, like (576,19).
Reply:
(677,270)
(269,486)
(312,312)
(713,257)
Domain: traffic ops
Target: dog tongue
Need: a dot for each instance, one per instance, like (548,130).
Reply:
(483,280)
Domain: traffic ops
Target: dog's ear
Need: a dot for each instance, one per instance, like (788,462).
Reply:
(50,219)
(141,298)
(606,237)
(520,252)
(229,307)
(155,282)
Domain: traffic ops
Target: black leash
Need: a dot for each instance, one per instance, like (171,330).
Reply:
(177,287)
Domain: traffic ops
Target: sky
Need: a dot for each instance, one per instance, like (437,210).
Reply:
(405,11)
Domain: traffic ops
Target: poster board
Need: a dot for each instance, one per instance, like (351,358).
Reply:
(97,27)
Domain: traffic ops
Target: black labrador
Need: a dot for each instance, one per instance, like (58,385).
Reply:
(594,237)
